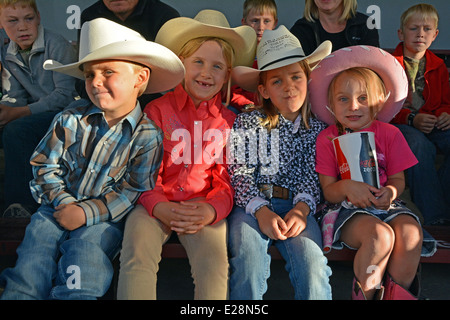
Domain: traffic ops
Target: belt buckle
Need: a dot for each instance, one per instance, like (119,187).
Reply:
(267,190)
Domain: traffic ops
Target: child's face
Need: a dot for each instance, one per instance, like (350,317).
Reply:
(21,24)
(113,86)
(350,103)
(260,22)
(417,35)
(206,72)
(286,87)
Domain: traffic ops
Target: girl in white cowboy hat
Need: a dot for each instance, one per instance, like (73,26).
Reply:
(364,84)
(91,166)
(193,195)
(275,200)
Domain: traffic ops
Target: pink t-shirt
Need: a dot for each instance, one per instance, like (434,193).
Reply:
(393,152)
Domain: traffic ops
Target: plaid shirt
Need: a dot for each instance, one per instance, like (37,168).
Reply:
(104,170)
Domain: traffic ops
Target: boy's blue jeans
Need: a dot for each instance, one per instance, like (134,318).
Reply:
(429,186)
(250,260)
(19,139)
(54,263)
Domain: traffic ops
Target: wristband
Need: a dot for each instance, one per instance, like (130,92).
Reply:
(411,117)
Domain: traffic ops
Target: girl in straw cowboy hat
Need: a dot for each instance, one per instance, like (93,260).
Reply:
(91,166)
(274,200)
(193,195)
(366,88)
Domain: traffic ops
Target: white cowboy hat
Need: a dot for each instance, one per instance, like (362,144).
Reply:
(175,33)
(277,48)
(102,39)
(376,59)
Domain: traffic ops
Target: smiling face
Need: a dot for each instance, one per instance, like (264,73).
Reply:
(113,86)
(206,72)
(286,87)
(21,23)
(417,35)
(356,96)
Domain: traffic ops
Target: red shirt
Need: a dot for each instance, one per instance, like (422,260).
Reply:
(194,163)
(437,88)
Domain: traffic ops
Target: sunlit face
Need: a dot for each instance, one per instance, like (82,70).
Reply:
(113,86)
(21,24)
(417,35)
(260,22)
(329,6)
(350,103)
(121,8)
(206,72)
(286,87)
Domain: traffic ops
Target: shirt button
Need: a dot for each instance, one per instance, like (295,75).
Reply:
(185,165)
(181,189)
(196,122)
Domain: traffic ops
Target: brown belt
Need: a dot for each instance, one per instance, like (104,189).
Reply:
(272,191)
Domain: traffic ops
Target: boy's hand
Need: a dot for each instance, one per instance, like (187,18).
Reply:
(8,114)
(70,216)
(425,122)
(443,121)
(271,224)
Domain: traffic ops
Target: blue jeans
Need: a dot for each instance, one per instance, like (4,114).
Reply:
(429,186)
(19,139)
(250,260)
(54,263)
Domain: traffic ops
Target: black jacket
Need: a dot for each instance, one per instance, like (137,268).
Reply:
(356,33)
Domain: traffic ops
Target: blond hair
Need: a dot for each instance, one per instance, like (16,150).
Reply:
(190,47)
(371,82)
(311,12)
(423,10)
(272,118)
(260,6)
(13,3)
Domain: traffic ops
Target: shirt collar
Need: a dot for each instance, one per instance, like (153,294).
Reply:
(182,99)
(133,118)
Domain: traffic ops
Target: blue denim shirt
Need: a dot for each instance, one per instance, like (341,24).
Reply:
(29,84)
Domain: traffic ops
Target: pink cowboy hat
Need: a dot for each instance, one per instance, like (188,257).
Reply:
(376,59)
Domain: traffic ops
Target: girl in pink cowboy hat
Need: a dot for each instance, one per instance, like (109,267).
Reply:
(366,87)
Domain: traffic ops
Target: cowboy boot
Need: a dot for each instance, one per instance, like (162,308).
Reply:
(358,293)
(394,291)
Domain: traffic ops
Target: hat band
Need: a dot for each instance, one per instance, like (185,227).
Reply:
(278,60)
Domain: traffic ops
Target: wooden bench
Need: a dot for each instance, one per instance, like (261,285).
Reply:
(13,230)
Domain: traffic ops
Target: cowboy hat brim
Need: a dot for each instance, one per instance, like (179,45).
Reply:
(167,71)
(175,33)
(376,59)
(247,78)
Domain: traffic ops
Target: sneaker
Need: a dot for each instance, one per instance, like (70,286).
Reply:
(16,210)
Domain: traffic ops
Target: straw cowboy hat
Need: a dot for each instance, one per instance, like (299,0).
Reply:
(175,33)
(376,59)
(102,39)
(277,48)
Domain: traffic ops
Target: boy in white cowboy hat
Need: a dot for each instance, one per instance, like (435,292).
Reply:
(92,166)
(366,87)
(193,194)
(275,200)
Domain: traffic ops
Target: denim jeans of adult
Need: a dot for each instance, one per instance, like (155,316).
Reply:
(54,263)
(250,260)
(19,139)
(428,186)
